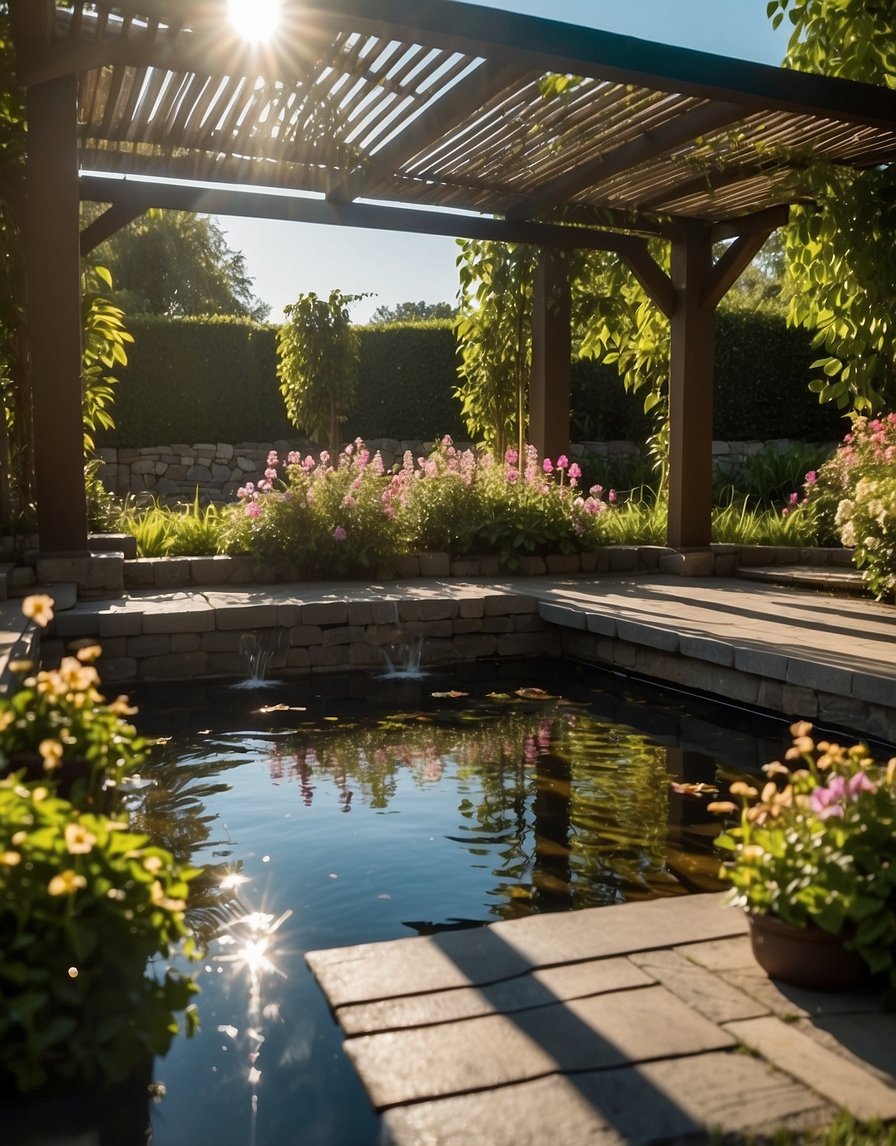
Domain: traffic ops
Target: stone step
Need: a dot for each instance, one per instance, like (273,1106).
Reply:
(825,579)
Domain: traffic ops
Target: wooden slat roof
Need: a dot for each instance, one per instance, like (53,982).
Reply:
(439,104)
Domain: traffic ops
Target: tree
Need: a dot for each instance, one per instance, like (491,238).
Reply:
(318,364)
(494,332)
(413,312)
(840,249)
(177,262)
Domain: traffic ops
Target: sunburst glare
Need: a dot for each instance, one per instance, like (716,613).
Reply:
(255,20)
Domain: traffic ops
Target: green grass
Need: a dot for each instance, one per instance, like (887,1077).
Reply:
(162,531)
(843,1131)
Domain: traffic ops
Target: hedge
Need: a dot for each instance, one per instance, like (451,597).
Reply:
(214,379)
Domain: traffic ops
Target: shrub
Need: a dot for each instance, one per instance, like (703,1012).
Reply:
(868,522)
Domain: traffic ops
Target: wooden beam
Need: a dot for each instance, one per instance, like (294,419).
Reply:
(731,266)
(103,227)
(549,389)
(768,220)
(706,183)
(140,196)
(649,145)
(463,100)
(691,393)
(52,267)
(652,278)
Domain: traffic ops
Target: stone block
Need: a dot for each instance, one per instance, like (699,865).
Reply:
(496,625)
(531,566)
(604,624)
(149,645)
(181,616)
(489,565)
(465,567)
(425,609)
(209,570)
(762,663)
(342,635)
(385,635)
(821,677)
(428,629)
(139,573)
(407,566)
(725,564)
(115,622)
(528,644)
(21,577)
(505,604)
(325,613)
(691,563)
(225,664)
(117,669)
(171,572)
(245,617)
(464,625)
(216,642)
(242,570)
(622,558)
(298,659)
(186,642)
(562,563)
(98,571)
(588,562)
(564,615)
(360,612)
(649,556)
(706,649)
(438,652)
(472,607)
(475,646)
(874,689)
(362,655)
(122,543)
(799,702)
(434,564)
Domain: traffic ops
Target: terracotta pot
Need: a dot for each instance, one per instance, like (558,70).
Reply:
(805,956)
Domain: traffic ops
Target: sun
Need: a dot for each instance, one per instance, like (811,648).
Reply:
(255,20)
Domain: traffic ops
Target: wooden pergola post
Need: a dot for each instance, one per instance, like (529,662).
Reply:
(52,268)
(691,391)
(549,389)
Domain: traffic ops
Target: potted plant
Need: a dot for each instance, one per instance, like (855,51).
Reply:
(91,911)
(812,859)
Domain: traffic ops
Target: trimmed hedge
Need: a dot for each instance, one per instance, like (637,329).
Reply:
(215,379)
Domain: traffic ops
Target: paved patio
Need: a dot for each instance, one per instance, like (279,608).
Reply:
(639,1023)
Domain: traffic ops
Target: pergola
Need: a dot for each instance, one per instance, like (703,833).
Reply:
(428,116)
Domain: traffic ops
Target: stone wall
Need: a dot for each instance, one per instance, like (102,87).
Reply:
(172,473)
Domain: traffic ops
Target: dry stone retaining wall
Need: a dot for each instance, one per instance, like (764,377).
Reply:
(173,473)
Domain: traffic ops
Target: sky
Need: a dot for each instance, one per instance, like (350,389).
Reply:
(289,259)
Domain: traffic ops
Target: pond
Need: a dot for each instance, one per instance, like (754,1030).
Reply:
(341,810)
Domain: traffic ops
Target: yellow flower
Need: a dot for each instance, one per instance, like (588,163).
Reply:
(6,718)
(87,654)
(152,864)
(10,858)
(18,839)
(721,807)
(18,667)
(38,608)
(739,788)
(160,899)
(78,840)
(76,676)
(66,883)
(121,706)
(51,752)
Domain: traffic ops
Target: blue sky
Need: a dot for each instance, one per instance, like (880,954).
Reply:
(289,259)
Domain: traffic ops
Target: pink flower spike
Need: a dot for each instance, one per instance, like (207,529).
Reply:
(794,498)
(611,497)
(562,462)
(511,456)
(575,471)
(548,466)
(253,509)
(339,534)
(811,477)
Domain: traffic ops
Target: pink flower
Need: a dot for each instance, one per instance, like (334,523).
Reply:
(811,477)
(339,534)
(324,457)
(794,498)
(548,466)
(575,473)
(349,502)
(562,462)
(253,509)
(293,458)
(611,497)
(511,456)
(273,459)
(308,463)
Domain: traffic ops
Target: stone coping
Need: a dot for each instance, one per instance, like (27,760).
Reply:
(623,1023)
(777,648)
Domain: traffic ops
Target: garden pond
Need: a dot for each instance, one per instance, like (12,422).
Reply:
(340,810)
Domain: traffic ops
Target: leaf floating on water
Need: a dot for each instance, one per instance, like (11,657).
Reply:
(384,895)
(534,694)
(693,789)
(452,694)
(161,740)
(333,718)
(333,875)
(279,708)
(498,696)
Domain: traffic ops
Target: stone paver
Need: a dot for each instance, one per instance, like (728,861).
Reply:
(513,1035)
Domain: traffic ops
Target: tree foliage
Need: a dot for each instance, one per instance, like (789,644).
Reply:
(413,312)
(177,263)
(494,334)
(841,249)
(103,349)
(318,364)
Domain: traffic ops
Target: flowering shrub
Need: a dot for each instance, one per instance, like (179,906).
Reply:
(852,497)
(816,845)
(319,519)
(84,901)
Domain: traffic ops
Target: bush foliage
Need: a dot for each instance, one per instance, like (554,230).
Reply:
(215,379)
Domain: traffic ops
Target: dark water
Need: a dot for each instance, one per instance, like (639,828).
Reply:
(353,809)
